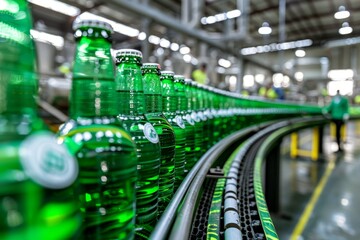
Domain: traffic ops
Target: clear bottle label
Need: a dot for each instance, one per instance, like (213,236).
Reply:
(189,119)
(150,133)
(179,122)
(47,162)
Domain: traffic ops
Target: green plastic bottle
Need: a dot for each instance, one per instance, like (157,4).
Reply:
(200,111)
(198,137)
(105,151)
(216,112)
(36,173)
(164,128)
(131,111)
(188,121)
(208,114)
(170,103)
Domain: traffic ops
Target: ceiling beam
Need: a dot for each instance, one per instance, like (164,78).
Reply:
(168,21)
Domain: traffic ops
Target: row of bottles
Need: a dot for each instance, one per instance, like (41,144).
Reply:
(133,134)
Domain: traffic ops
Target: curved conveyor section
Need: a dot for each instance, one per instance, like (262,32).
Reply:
(176,221)
(246,214)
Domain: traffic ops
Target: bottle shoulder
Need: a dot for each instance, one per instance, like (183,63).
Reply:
(101,130)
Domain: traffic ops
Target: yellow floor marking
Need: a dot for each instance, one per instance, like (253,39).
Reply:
(310,206)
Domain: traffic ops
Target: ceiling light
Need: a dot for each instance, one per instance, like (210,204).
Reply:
(341,74)
(154,39)
(211,20)
(299,76)
(259,78)
(58,7)
(142,36)
(265,29)
(272,47)
(165,43)
(220,17)
(233,13)
(342,13)
(203,20)
(300,53)
(194,61)
(174,46)
(345,29)
(248,81)
(184,50)
(224,63)
(187,58)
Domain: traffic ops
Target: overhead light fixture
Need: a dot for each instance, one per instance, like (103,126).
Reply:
(342,13)
(165,43)
(224,63)
(345,29)
(187,58)
(300,53)
(184,50)
(220,17)
(154,39)
(142,36)
(233,14)
(259,78)
(273,47)
(57,6)
(174,46)
(299,76)
(265,29)
(341,74)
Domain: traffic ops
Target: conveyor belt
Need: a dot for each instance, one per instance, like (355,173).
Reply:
(231,206)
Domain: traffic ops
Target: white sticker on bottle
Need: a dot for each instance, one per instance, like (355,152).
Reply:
(150,133)
(195,117)
(189,119)
(179,122)
(47,162)
(202,116)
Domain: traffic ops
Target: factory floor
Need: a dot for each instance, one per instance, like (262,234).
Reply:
(320,199)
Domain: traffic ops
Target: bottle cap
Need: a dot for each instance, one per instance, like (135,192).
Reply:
(78,23)
(129,52)
(188,81)
(167,73)
(151,66)
(179,78)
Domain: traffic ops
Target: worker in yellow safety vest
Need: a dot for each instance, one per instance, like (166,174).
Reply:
(199,75)
(268,92)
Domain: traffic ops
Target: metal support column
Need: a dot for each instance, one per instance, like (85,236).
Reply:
(240,76)
(272,178)
(145,46)
(282,30)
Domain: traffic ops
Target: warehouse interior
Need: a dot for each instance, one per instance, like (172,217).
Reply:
(307,50)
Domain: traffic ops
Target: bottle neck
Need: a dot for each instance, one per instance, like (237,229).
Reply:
(195,98)
(129,88)
(169,98)
(200,98)
(152,91)
(181,97)
(189,97)
(93,86)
